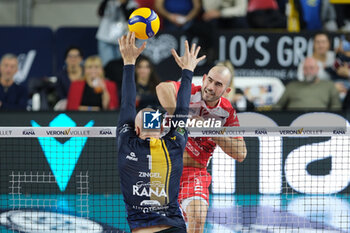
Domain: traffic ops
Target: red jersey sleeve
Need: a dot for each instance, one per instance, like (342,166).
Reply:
(232,120)
(177,87)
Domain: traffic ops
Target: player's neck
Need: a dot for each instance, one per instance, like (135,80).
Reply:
(212,104)
(143,136)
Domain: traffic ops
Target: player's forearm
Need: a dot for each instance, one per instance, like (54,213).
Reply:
(128,96)
(167,96)
(184,94)
(234,147)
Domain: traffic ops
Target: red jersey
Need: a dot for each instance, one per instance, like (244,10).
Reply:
(201,148)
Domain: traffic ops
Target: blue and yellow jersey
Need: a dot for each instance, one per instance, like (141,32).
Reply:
(150,170)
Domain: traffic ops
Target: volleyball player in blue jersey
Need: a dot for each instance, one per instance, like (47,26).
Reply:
(150,167)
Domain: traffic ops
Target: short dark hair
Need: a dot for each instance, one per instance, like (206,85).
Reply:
(321,33)
(73,48)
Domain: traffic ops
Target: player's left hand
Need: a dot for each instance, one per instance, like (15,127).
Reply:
(189,60)
(128,48)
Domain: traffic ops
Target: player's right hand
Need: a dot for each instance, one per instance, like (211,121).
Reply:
(189,60)
(128,48)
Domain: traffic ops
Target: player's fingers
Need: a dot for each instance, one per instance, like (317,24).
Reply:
(132,38)
(193,48)
(176,57)
(186,47)
(143,46)
(197,51)
(201,58)
(128,37)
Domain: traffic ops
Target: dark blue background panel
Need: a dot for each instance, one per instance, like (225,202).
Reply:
(32,44)
(82,37)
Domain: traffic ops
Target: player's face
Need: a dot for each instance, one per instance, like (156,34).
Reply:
(8,68)
(214,86)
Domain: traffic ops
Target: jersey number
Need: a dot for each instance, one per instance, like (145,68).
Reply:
(149,162)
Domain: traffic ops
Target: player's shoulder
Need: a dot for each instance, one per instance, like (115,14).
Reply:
(226,105)
(125,128)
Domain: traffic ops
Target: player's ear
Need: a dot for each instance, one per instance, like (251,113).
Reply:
(228,90)
(161,128)
(137,130)
(204,77)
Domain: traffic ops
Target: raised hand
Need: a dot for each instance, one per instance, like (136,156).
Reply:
(128,48)
(189,60)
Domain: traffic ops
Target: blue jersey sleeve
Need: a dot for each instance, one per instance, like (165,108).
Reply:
(183,96)
(127,109)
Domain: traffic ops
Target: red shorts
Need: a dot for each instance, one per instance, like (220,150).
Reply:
(194,183)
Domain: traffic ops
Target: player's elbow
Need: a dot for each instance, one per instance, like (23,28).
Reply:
(241,157)
(241,154)
(162,89)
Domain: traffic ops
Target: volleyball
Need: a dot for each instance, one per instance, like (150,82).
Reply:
(144,22)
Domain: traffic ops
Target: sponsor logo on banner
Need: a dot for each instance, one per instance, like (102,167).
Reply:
(28,132)
(339,131)
(105,132)
(312,131)
(260,132)
(132,157)
(143,189)
(5,132)
(69,151)
(68,132)
(291,131)
(44,221)
(224,131)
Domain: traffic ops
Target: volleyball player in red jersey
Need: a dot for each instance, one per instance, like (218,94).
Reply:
(206,102)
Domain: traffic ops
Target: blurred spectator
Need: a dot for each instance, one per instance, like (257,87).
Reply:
(236,96)
(241,102)
(316,15)
(114,72)
(183,16)
(226,14)
(146,82)
(346,102)
(95,92)
(12,96)
(265,14)
(310,94)
(114,16)
(340,72)
(72,71)
(343,16)
(178,15)
(323,54)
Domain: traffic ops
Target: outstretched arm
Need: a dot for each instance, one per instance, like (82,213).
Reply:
(129,54)
(187,63)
